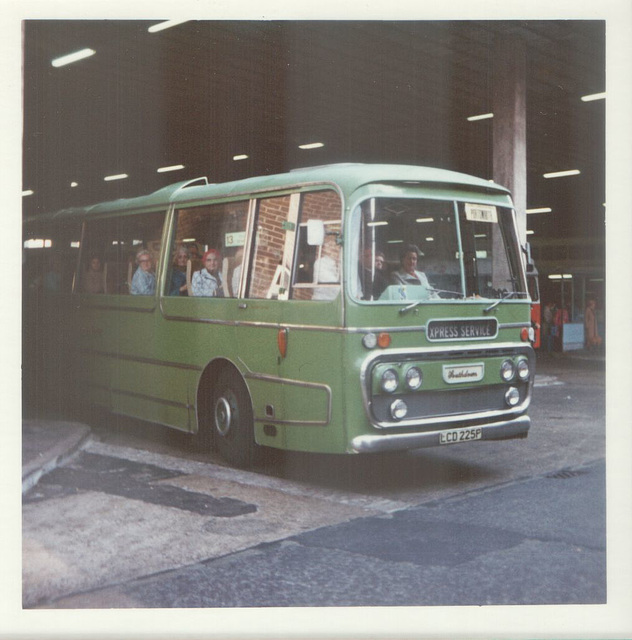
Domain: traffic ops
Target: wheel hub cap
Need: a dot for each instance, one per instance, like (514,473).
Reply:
(223,416)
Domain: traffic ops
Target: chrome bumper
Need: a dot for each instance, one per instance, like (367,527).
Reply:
(515,428)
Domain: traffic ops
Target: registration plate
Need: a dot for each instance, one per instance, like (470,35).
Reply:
(460,435)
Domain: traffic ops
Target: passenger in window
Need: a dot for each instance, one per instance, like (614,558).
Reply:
(179,273)
(144,280)
(92,280)
(207,281)
(372,278)
(407,273)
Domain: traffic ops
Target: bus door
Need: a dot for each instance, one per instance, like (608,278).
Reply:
(296,282)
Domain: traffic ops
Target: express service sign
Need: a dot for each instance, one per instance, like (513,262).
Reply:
(470,329)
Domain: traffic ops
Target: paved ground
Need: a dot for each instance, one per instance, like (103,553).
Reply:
(503,523)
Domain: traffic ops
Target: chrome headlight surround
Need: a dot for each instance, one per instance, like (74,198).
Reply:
(523,369)
(399,409)
(389,381)
(512,396)
(507,370)
(414,378)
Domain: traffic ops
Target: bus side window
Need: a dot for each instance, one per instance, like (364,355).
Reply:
(108,254)
(317,268)
(221,227)
(267,273)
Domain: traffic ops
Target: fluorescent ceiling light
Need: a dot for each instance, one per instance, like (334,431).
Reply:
(173,167)
(555,276)
(540,210)
(75,244)
(118,176)
(311,145)
(395,242)
(424,220)
(167,24)
(188,240)
(37,243)
(74,184)
(482,116)
(28,192)
(382,223)
(429,239)
(242,156)
(72,57)
(561,174)
(530,232)
(567,276)
(594,96)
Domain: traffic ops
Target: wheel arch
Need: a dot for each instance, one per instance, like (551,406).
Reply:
(206,382)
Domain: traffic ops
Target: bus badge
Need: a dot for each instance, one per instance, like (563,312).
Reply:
(461,373)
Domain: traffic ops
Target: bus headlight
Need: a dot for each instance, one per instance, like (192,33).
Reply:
(512,396)
(390,381)
(523,370)
(414,378)
(399,410)
(507,370)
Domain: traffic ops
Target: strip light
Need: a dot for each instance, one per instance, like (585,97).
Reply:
(242,156)
(482,116)
(167,24)
(311,145)
(72,57)
(118,176)
(594,96)
(540,210)
(28,192)
(173,167)
(562,174)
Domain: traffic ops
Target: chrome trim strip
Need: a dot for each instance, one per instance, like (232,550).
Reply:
(254,323)
(142,360)
(331,329)
(504,430)
(111,307)
(297,383)
(142,396)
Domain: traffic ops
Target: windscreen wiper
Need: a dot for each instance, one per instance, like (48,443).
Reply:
(506,296)
(404,310)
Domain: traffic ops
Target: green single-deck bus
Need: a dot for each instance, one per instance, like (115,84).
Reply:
(347,308)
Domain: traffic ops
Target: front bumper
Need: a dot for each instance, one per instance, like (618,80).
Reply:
(504,430)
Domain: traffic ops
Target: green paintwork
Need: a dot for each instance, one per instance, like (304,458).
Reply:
(145,356)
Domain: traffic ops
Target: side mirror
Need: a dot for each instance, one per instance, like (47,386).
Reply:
(315,233)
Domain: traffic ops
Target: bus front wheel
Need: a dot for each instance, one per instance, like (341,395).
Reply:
(232,422)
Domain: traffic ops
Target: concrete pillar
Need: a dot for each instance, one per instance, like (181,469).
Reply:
(509,105)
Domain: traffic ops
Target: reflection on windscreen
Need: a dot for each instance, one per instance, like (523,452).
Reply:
(416,249)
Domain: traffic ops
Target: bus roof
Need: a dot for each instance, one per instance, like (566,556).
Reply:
(349,176)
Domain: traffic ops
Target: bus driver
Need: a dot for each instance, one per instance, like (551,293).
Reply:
(407,273)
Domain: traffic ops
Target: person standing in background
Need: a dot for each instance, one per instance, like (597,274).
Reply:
(591,331)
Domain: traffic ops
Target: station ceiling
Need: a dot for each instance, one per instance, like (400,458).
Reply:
(200,93)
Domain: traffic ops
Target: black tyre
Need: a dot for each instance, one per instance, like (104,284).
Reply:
(230,421)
